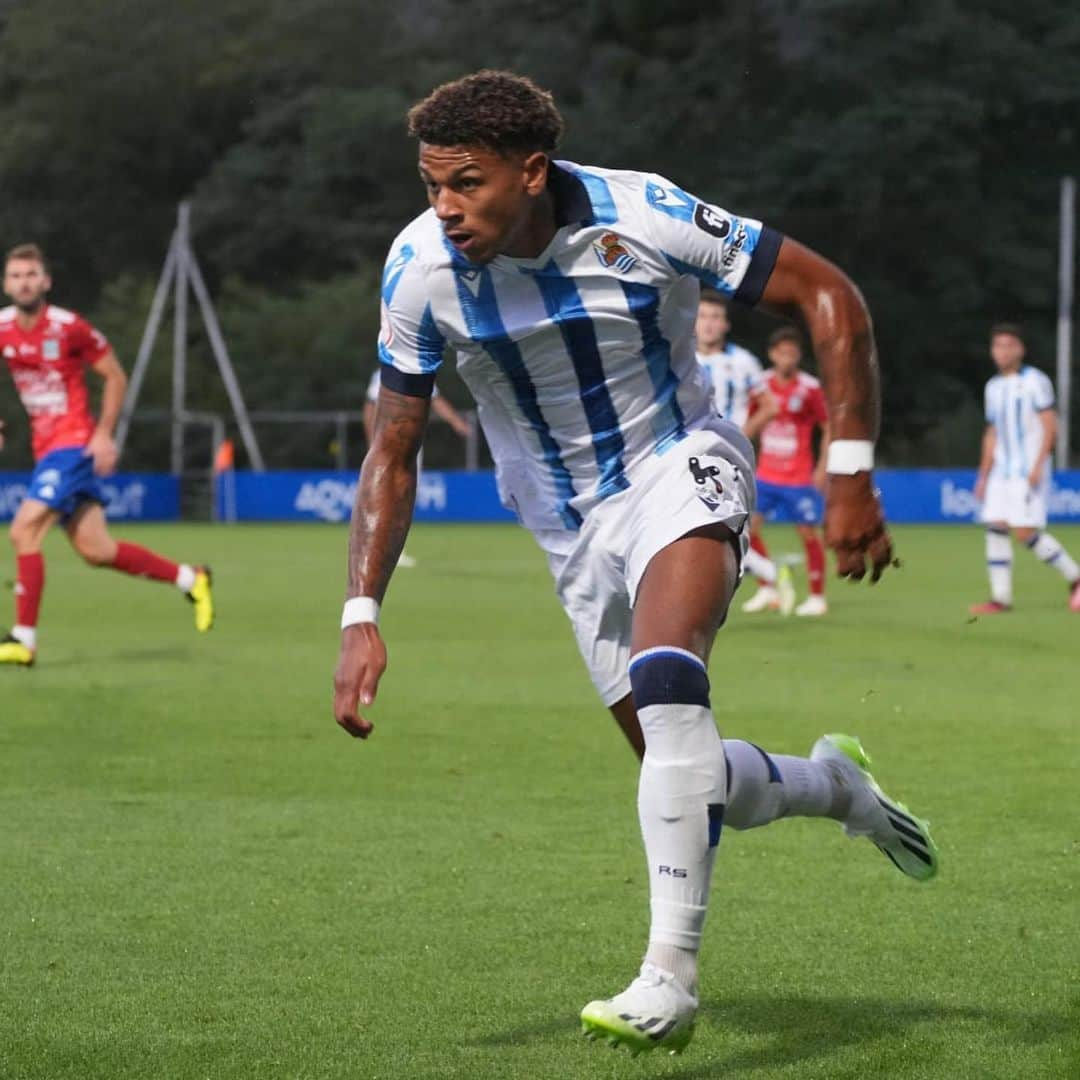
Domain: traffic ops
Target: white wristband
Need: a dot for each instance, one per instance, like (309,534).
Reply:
(849,456)
(360,609)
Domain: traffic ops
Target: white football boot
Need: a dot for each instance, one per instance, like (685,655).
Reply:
(813,606)
(654,1012)
(765,599)
(897,833)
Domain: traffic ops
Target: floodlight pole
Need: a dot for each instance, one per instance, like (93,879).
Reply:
(180,323)
(1066,258)
(180,273)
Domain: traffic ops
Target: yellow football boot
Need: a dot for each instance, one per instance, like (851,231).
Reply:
(202,596)
(15,652)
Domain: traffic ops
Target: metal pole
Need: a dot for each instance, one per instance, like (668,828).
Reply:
(146,346)
(1066,256)
(179,372)
(221,354)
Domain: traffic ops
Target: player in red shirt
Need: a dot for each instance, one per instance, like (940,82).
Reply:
(47,351)
(789,481)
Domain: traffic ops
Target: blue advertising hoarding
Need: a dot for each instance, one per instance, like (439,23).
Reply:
(910,496)
(131,496)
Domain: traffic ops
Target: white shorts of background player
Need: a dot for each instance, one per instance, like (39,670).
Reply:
(1015,502)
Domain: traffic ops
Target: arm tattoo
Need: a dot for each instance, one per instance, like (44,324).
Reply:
(386,494)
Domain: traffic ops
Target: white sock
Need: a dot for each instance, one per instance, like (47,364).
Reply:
(760,567)
(681,798)
(999,566)
(185,578)
(1050,551)
(763,787)
(25,635)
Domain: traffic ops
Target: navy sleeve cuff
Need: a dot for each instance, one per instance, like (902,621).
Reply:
(761,267)
(410,385)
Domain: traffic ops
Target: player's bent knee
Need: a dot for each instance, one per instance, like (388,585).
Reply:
(95,556)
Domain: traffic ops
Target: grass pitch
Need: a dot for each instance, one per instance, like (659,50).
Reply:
(201,876)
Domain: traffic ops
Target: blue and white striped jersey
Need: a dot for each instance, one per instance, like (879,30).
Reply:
(1013,404)
(735,375)
(581,360)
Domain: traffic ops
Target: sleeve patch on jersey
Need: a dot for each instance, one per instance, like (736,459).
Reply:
(401,382)
(711,220)
(672,201)
(761,266)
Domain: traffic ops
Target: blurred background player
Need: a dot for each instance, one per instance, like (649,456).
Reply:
(789,481)
(47,350)
(740,395)
(1014,472)
(442,408)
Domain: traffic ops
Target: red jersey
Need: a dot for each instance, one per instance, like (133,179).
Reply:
(787,441)
(48,363)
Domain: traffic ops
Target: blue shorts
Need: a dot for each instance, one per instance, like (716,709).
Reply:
(64,480)
(799,505)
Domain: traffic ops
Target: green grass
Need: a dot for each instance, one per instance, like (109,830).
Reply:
(201,876)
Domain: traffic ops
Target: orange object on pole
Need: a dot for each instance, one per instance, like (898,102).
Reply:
(225,458)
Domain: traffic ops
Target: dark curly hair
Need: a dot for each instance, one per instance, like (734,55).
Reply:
(498,110)
(785,333)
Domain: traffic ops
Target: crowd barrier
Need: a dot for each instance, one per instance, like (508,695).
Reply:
(913,496)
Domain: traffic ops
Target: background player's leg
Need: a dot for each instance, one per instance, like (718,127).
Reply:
(89,534)
(999,563)
(815,572)
(28,530)
(758,563)
(1048,549)
(681,602)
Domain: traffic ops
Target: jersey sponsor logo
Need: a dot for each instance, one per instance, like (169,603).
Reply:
(795,403)
(50,349)
(709,219)
(672,201)
(734,248)
(613,254)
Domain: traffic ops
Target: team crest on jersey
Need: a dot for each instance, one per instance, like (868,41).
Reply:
(50,349)
(612,253)
(9,352)
(795,403)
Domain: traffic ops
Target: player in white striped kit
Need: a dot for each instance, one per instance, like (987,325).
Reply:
(569,295)
(740,395)
(1015,469)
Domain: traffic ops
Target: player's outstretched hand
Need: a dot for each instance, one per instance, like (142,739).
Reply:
(855,527)
(356,681)
(103,450)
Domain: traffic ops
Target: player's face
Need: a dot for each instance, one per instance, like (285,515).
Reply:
(483,200)
(26,283)
(712,325)
(785,356)
(1007,351)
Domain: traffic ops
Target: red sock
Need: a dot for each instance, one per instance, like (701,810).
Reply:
(815,565)
(132,559)
(29,585)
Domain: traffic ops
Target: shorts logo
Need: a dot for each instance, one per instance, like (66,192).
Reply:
(709,219)
(702,478)
(612,253)
(50,349)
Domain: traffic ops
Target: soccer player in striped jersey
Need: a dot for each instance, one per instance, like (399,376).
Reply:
(569,295)
(741,396)
(48,351)
(1014,471)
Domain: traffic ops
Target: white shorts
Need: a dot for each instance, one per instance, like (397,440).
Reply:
(1015,502)
(706,479)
